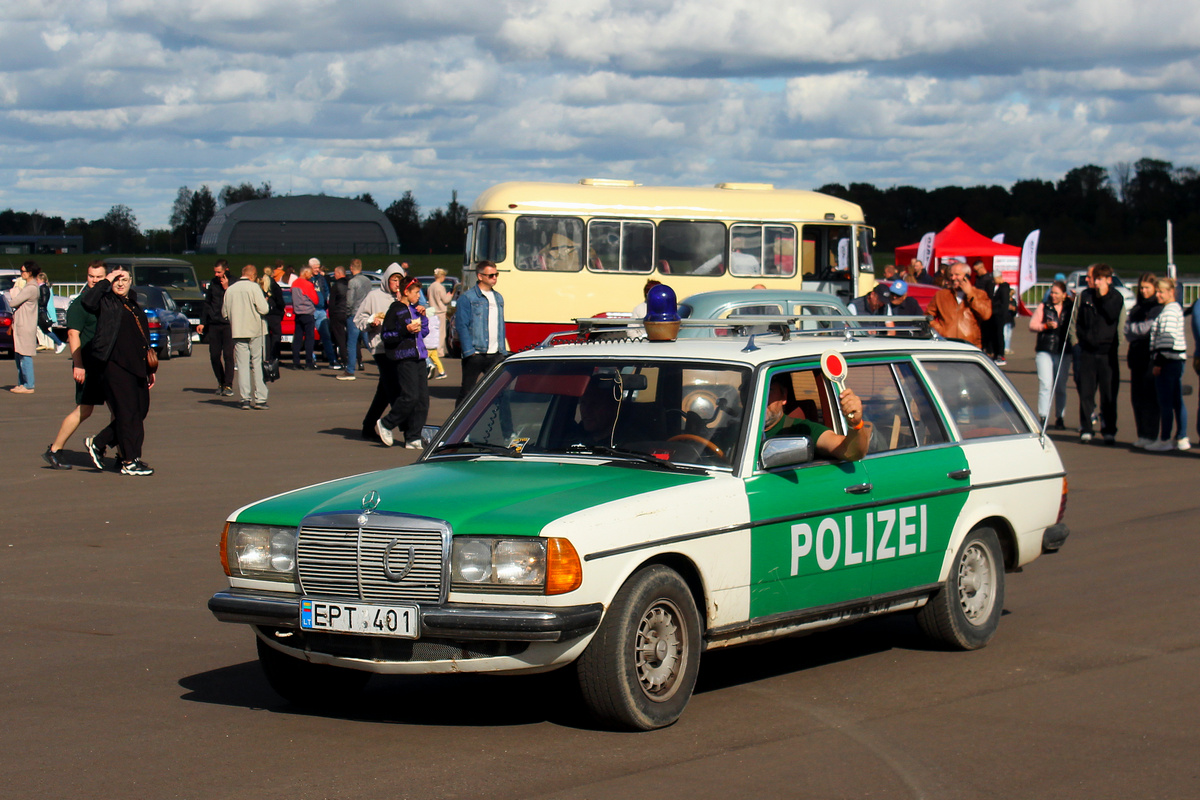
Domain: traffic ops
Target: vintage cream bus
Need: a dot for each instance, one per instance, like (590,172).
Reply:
(577,250)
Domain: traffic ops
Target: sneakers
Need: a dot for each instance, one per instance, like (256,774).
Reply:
(1183,443)
(97,453)
(1109,439)
(61,346)
(246,405)
(227,391)
(136,467)
(430,372)
(1001,362)
(414,445)
(1141,443)
(441,376)
(259,406)
(1160,446)
(52,459)
(335,366)
(1085,437)
(385,434)
(346,376)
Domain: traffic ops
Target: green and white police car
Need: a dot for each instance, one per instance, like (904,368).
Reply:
(616,507)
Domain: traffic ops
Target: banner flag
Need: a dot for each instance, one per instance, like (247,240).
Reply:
(1028,276)
(998,238)
(925,252)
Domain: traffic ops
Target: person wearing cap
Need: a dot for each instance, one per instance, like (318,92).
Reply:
(902,304)
(873,302)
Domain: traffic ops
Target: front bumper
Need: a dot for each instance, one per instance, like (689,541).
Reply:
(457,621)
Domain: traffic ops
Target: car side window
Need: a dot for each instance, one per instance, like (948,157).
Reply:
(977,404)
(884,408)
(807,399)
(926,422)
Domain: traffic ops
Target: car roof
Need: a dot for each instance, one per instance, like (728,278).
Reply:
(705,303)
(768,348)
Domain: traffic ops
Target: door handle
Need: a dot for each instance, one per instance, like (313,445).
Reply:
(859,488)
(959,474)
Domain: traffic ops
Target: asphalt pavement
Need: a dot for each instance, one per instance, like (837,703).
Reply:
(116,681)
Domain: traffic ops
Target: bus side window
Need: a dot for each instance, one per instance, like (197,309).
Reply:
(549,243)
(692,248)
(827,253)
(620,245)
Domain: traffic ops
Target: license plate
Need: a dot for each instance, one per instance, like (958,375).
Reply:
(402,622)
(286,338)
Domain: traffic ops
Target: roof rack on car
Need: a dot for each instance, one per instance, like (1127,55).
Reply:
(606,329)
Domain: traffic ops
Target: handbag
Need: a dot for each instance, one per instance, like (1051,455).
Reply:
(151,356)
(270,368)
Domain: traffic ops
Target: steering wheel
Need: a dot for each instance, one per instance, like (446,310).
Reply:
(691,437)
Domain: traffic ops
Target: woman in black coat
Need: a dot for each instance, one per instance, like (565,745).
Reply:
(119,346)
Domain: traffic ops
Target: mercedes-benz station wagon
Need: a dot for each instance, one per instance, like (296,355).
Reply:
(618,508)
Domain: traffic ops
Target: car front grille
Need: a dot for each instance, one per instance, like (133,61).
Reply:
(348,561)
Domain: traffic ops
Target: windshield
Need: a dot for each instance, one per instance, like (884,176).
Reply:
(657,412)
(174,277)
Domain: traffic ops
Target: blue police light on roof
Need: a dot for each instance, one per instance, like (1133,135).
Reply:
(662,314)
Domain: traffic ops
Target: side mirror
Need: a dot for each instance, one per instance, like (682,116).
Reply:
(428,434)
(786,451)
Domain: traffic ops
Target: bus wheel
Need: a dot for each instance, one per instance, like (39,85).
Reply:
(966,610)
(640,668)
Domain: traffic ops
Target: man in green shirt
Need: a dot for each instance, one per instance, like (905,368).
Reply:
(89,386)
(829,444)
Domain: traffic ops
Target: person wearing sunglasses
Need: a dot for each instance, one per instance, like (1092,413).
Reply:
(479,321)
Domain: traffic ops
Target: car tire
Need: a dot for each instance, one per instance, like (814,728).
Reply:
(186,350)
(164,350)
(308,685)
(640,668)
(966,610)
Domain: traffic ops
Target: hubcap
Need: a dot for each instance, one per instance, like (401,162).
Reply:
(660,650)
(976,583)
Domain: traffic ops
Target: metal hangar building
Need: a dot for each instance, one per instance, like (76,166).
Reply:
(301,224)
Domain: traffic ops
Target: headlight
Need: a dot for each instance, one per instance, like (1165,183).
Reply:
(488,564)
(260,551)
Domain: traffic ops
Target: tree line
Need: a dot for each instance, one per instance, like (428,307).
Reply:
(1092,209)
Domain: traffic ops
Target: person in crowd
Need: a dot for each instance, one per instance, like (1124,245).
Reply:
(288,277)
(24,301)
(89,380)
(873,302)
(321,314)
(403,331)
(901,304)
(436,369)
(46,314)
(339,290)
(369,318)
(1050,321)
(1142,392)
(1194,312)
(304,306)
(479,322)
(1168,348)
(121,343)
(1001,294)
(439,301)
(1097,320)
(959,311)
(358,287)
(889,272)
(277,273)
(245,308)
(919,275)
(274,318)
(213,325)
(1010,321)
(827,443)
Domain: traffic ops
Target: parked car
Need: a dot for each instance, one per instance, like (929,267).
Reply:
(287,326)
(176,276)
(617,508)
(7,278)
(1077,282)
(169,327)
(450,281)
(735,304)
(6,329)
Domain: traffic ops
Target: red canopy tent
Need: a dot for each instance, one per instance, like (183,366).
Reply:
(959,239)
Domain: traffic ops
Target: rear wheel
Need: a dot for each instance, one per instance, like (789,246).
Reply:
(186,350)
(164,350)
(640,668)
(308,685)
(966,610)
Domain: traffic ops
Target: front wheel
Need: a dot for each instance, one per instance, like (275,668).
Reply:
(640,668)
(966,610)
(186,350)
(308,685)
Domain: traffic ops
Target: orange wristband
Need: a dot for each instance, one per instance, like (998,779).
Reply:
(857,427)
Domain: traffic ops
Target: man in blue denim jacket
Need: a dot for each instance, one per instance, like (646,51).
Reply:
(479,321)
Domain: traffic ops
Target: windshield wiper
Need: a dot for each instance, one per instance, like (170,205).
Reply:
(498,449)
(645,458)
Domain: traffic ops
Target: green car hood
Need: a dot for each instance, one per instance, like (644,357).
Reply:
(508,497)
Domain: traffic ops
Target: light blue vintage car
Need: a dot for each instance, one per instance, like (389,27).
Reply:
(724,305)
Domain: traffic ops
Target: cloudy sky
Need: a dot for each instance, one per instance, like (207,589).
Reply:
(125,101)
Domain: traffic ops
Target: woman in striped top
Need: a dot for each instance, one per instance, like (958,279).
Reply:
(1169,350)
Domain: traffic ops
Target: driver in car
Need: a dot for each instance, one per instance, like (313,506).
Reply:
(829,444)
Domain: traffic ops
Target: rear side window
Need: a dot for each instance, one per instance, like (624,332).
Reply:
(549,243)
(976,403)
(884,407)
(691,248)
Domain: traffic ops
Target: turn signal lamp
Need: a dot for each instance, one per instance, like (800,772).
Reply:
(224,549)
(564,573)
(1062,506)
